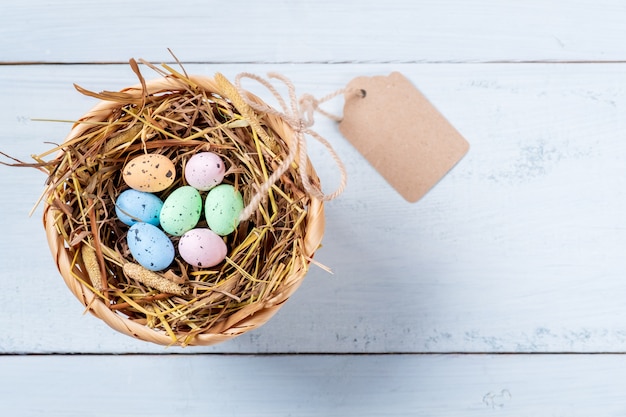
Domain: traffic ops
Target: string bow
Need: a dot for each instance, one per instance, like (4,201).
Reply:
(299,116)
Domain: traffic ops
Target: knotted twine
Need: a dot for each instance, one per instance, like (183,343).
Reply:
(299,116)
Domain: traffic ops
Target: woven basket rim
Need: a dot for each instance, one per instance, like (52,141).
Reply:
(236,326)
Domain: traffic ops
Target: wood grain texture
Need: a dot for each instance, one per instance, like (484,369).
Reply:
(302,385)
(317,31)
(518,249)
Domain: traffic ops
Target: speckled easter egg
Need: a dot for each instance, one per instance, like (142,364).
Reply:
(181,210)
(150,247)
(204,170)
(222,208)
(133,206)
(202,248)
(150,173)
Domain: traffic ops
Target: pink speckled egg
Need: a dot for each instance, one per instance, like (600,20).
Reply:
(202,248)
(204,171)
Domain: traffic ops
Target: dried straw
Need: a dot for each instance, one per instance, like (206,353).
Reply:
(177,116)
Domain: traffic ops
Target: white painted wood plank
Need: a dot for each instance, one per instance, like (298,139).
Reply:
(519,249)
(313,31)
(302,385)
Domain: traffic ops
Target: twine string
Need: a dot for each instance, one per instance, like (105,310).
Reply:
(299,115)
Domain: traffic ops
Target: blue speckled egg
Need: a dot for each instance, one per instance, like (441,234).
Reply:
(181,210)
(134,206)
(150,247)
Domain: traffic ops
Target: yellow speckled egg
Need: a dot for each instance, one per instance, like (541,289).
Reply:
(149,173)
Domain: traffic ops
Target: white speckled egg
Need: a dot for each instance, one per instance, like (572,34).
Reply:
(134,206)
(202,248)
(222,207)
(150,173)
(181,210)
(150,246)
(204,170)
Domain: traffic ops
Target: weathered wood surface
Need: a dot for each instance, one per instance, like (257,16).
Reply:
(323,31)
(520,249)
(329,386)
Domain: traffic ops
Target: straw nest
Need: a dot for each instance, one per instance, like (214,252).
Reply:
(177,115)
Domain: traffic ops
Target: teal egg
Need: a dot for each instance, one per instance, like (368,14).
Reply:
(181,210)
(222,208)
(134,206)
(150,247)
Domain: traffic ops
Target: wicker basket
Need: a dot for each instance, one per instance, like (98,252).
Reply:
(269,254)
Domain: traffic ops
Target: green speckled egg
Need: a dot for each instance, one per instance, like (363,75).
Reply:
(181,211)
(222,208)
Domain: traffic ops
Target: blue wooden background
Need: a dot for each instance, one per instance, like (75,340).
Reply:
(501,292)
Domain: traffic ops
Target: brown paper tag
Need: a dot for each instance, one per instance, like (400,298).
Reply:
(400,133)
